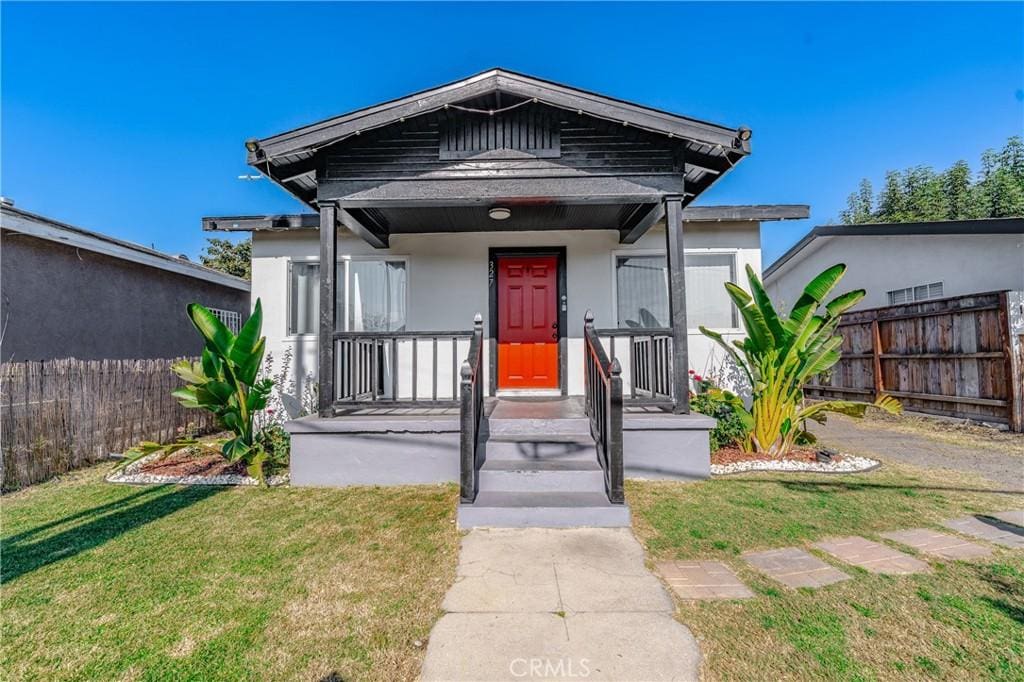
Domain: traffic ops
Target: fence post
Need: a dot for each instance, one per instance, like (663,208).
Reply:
(1014,370)
(876,358)
(616,494)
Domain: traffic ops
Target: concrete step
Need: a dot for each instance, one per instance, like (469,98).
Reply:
(569,476)
(542,510)
(518,449)
(566,426)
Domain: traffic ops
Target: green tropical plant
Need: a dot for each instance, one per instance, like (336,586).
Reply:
(226,382)
(781,353)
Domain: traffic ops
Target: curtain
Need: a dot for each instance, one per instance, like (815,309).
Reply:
(305,298)
(376,296)
(642,291)
(707,302)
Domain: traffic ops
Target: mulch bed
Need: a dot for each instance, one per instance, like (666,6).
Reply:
(730,454)
(187,463)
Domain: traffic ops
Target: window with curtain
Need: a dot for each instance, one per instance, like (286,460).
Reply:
(371,296)
(642,291)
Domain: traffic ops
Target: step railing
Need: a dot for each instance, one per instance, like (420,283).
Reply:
(471,409)
(647,355)
(603,403)
(398,368)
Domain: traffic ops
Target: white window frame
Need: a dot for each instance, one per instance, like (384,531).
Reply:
(227,317)
(720,251)
(912,293)
(312,260)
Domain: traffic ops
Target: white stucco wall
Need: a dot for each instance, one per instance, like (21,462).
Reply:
(965,264)
(447,275)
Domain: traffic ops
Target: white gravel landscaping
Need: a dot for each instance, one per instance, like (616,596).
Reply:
(849,464)
(132,474)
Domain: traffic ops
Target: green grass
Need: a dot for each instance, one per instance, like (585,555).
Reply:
(961,621)
(106,582)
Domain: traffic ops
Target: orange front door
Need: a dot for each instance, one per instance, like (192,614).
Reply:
(528,322)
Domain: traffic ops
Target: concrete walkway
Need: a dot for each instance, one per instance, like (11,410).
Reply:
(541,603)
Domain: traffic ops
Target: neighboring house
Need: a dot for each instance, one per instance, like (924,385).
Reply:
(66,292)
(906,262)
(529,203)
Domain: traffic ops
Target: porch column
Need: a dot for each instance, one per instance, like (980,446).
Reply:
(677,303)
(328,258)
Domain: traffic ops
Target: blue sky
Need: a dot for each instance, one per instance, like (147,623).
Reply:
(129,119)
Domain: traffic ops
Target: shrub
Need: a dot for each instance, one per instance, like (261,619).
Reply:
(733,422)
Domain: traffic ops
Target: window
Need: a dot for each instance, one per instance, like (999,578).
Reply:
(921,292)
(642,290)
(230,318)
(371,296)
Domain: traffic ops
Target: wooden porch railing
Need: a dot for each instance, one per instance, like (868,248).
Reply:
(471,409)
(385,368)
(603,402)
(648,355)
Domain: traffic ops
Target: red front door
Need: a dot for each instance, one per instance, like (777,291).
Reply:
(528,322)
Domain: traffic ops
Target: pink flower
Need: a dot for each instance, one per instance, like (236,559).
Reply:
(692,372)
(270,410)
(696,377)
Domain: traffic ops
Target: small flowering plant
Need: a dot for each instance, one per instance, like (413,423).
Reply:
(700,384)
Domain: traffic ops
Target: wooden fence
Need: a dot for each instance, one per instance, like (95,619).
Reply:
(958,357)
(59,415)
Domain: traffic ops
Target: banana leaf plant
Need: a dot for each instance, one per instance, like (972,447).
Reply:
(781,353)
(225,382)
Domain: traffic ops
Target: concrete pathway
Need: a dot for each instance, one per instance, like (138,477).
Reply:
(872,556)
(937,544)
(539,603)
(793,567)
(990,529)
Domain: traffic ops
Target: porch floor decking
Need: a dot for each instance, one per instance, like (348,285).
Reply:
(505,407)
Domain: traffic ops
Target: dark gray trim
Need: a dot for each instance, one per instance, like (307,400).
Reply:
(649,220)
(674,250)
(294,221)
(940,227)
(371,237)
(493,254)
(744,212)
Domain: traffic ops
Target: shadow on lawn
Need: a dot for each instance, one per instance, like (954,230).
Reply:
(820,486)
(20,557)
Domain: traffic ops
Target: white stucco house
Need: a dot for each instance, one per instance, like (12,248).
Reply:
(519,275)
(906,262)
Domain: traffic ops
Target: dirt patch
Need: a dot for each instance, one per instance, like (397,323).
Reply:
(731,454)
(189,463)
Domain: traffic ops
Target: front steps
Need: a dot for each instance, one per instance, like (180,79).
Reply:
(540,472)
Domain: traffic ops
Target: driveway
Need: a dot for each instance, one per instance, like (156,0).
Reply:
(996,456)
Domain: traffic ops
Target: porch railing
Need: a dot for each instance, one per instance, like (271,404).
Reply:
(471,409)
(398,368)
(647,355)
(603,402)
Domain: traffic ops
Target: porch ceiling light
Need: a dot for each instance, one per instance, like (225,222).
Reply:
(500,213)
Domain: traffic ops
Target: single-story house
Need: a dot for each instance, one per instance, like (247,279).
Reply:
(903,263)
(66,292)
(519,274)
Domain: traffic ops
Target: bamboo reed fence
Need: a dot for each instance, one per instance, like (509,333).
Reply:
(59,415)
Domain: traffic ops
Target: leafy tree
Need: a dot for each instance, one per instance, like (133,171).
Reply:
(920,194)
(234,258)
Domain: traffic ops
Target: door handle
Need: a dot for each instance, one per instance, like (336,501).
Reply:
(554,335)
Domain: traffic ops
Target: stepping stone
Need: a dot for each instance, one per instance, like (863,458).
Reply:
(872,556)
(1015,517)
(938,544)
(793,567)
(702,580)
(993,530)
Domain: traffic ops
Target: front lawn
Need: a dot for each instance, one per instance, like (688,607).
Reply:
(107,582)
(962,621)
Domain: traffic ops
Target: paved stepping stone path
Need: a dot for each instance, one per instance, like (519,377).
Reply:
(992,530)
(541,603)
(1016,517)
(793,567)
(872,556)
(702,580)
(937,544)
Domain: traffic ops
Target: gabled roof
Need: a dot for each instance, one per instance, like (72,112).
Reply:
(288,157)
(41,227)
(924,229)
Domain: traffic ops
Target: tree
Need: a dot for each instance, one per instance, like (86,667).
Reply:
(921,194)
(234,258)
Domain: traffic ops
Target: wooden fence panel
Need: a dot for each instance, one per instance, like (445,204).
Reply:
(952,356)
(58,415)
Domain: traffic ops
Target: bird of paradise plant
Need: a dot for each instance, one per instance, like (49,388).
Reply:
(226,382)
(781,353)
